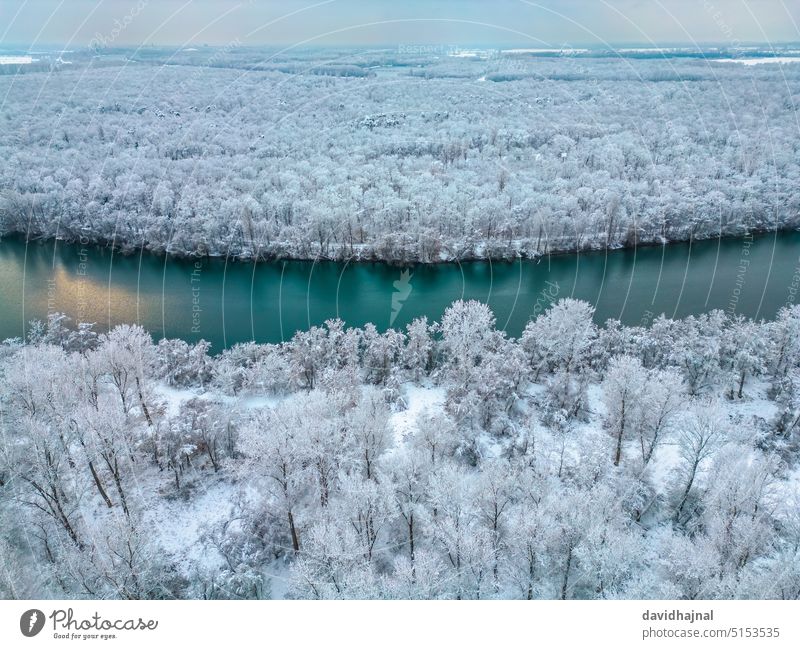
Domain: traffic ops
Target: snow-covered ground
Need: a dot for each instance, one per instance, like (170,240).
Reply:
(418,399)
(179,524)
(762,60)
(173,398)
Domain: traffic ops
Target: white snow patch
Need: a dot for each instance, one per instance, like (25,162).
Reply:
(472,54)
(178,524)
(278,573)
(762,60)
(597,406)
(255,401)
(551,50)
(419,398)
(755,402)
(16,60)
(174,397)
(666,459)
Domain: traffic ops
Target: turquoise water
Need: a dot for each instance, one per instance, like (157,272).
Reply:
(230,302)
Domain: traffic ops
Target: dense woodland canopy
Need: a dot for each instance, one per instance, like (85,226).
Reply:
(443,461)
(396,155)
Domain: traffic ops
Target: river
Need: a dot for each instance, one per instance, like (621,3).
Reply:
(230,302)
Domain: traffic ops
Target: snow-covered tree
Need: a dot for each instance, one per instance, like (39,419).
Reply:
(561,338)
(704,429)
(622,388)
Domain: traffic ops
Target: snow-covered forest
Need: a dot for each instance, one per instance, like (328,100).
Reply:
(396,155)
(443,461)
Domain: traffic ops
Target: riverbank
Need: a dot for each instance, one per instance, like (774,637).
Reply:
(367,253)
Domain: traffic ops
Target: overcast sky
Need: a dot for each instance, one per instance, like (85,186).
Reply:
(375,22)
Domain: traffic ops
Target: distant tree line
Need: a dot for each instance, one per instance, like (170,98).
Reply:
(420,159)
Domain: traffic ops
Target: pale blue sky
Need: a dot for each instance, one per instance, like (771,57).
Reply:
(373,22)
